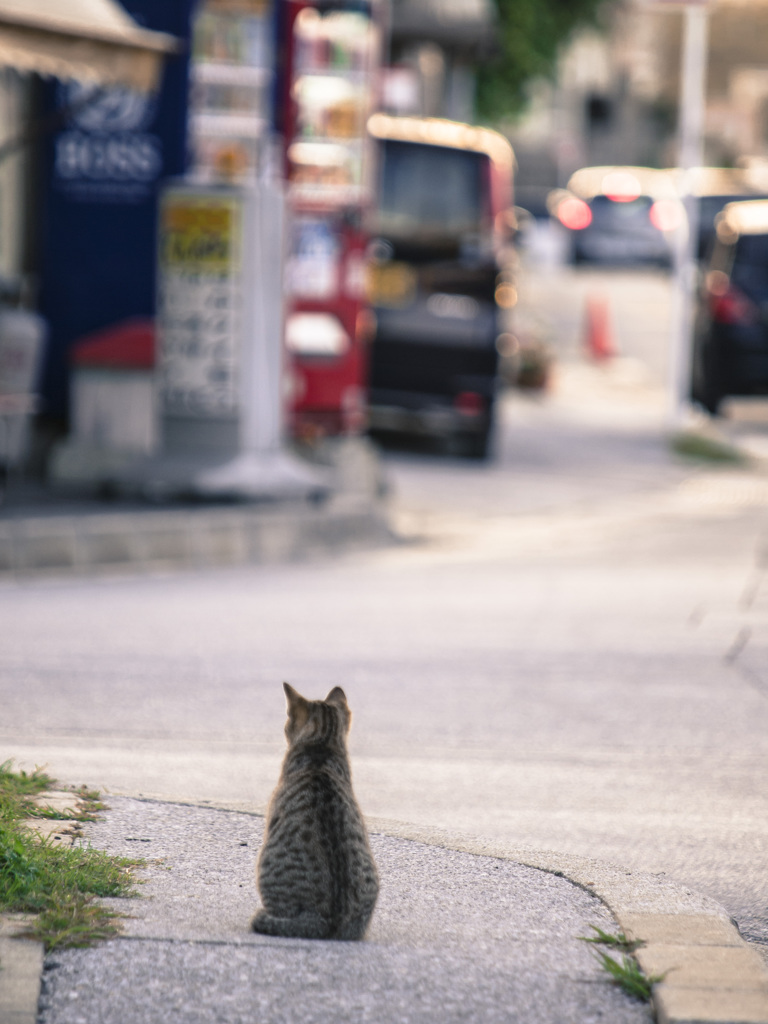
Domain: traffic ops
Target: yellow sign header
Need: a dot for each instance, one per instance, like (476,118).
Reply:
(200,234)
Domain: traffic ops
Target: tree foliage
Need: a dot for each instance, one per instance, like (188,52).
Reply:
(530,33)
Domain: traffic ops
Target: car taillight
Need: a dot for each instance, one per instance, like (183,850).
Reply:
(574,214)
(729,305)
(469,403)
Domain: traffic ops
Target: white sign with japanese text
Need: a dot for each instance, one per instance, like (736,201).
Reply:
(199,304)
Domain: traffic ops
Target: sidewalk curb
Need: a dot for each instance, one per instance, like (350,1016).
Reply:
(55,533)
(712,975)
(186,538)
(21,967)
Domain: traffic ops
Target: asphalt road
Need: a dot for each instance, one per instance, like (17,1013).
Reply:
(570,653)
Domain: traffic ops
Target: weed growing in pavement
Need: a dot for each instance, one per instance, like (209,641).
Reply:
(89,803)
(620,941)
(626,973)
(19,789)
(58,884)
(629,976)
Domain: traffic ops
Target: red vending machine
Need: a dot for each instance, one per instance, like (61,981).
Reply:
(331,59)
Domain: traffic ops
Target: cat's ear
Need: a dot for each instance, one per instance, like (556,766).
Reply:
(337,696)
(290,693)
(298,706)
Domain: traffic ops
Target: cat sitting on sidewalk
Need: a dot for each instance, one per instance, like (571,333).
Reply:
(316,874)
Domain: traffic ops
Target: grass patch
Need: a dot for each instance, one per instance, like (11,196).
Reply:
(59,884)
(625,972)
(628,975)
(18,788)
(73,920)
(706,449)
(89,802)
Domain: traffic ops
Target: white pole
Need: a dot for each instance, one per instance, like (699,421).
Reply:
(691,155)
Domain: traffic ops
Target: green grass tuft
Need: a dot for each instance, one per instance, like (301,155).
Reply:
(626,973)
(619,941)
(708,449)
(73,921)
(629,976)
(59,884)
(17,789)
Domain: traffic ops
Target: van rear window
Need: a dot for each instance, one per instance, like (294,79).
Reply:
(607,212)
(753,250)
(431,190)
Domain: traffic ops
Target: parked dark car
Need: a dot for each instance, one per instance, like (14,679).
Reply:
(619,216)
(709,208)
(610,230)
(730,348)
(714,188)
(436,280)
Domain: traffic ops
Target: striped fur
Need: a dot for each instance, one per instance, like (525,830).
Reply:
(316,874)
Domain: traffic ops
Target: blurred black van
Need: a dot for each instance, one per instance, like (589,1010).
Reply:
(442,218)
(730,346)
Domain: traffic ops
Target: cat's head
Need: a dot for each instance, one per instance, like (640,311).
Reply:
(318,721)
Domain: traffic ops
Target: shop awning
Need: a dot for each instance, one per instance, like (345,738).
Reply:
(89,40)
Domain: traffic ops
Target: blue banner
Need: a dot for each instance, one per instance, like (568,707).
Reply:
(101,175)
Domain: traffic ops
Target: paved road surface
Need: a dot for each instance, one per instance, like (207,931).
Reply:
(573,656)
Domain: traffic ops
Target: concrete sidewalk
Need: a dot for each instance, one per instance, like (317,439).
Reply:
(45,529)
(48,529)
(463,932)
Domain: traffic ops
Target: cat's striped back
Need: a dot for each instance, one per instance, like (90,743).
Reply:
(316,874)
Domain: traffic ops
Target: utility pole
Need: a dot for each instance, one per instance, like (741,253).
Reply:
(690,156)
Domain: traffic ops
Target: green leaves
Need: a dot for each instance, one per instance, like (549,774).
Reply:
(531,33)
(19,874)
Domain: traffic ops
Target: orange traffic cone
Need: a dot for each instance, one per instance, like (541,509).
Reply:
(598,336)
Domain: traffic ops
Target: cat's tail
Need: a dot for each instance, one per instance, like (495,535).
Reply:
(307,925)
(352,929)
(310,925)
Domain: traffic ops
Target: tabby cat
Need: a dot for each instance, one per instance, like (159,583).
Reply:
(316,874)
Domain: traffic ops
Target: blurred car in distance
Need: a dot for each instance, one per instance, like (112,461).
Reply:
(437,281)
(622,216)
(730,344)
(709,207)
(714,188)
